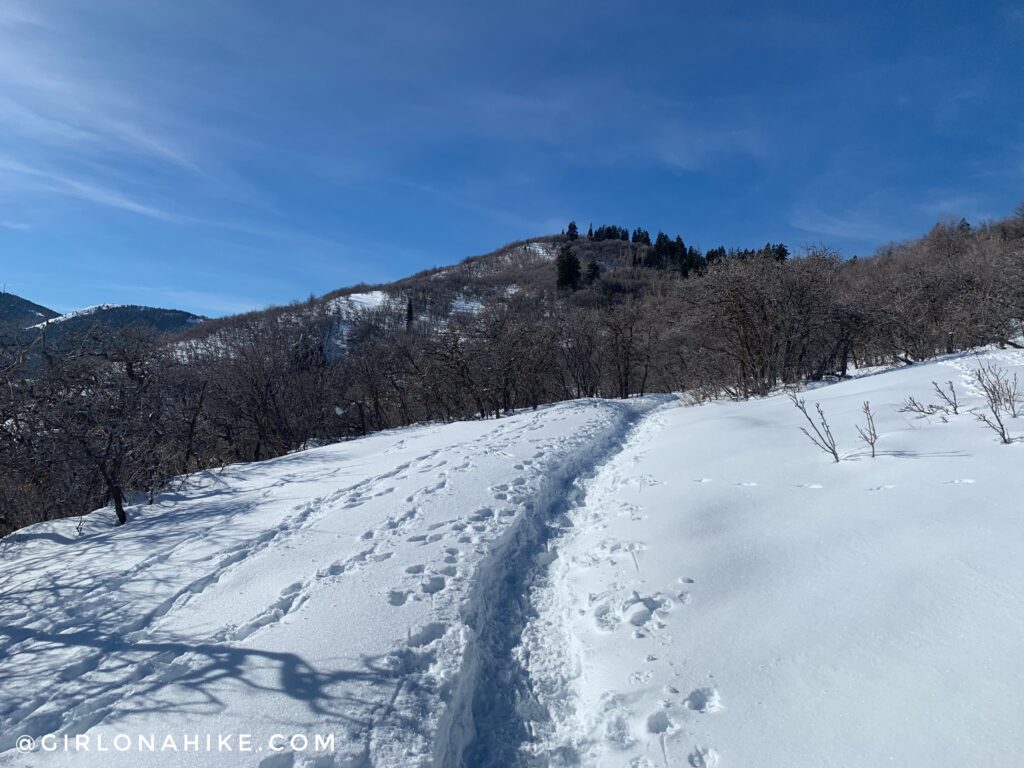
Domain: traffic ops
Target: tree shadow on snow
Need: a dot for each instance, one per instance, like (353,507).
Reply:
(105,677)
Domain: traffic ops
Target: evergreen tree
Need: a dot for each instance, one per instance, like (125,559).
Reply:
(715,254)
(641,236)
(590,232)
(568,266)
(694,261)
(662,253)
(572,233)
(679,255)
(593,272)
(408,314)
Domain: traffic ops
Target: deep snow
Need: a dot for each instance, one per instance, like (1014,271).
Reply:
(594,583)
(729,596)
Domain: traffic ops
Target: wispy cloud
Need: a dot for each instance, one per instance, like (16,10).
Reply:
(884,216)
(692,148)
(64,185)
(969,206)
(859,223)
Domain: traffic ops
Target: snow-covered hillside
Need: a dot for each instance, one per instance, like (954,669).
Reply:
(77,313)
(596,583)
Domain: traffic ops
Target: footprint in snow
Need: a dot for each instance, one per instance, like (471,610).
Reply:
(703,757)
(660,722)
(704,700)
(606,618)
(431,632)
(617,717)
(398,597)
(415,569)
(882,488)
(433,584)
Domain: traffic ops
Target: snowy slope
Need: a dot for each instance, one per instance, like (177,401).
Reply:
(77,313)
(596,583)
(352,303)
(729,596)
(344,590)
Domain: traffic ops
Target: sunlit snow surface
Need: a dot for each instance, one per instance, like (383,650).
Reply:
(599,583)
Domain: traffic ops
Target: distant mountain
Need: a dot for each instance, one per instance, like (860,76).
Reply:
(525,269)
(21,317)
(17,313)
(110,317)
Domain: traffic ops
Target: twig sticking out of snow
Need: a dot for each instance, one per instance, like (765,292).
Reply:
(1002,396)
(868,433)
(822,436)
(910,405)
(948,396)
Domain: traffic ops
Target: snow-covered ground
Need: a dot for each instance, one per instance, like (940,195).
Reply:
(352,303)
(345,590)
(595,583)
(728,595)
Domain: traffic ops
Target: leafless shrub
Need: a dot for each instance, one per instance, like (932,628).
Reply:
(822,434)
(947,394)
(1002,399)
(910,405)
(868,434)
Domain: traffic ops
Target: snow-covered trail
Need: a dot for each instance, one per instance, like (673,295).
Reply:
(369,590)
(725,595)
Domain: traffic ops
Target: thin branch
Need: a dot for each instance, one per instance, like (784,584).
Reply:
(822,436)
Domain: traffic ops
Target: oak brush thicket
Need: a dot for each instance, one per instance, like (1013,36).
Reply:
(117,414)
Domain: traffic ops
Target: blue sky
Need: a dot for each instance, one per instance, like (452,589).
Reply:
(221,156)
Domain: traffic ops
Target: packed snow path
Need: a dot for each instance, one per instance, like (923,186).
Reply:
(369,590)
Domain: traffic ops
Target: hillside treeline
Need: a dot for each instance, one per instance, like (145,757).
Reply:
(119,414)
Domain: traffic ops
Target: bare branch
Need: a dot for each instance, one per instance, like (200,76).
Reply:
(868,433)
(949,397)
(1002,397)
(822,436)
